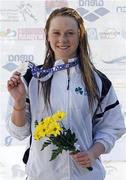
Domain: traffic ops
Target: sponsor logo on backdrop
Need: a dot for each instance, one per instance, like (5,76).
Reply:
(31,34)
(8,33)
(121,9)
(121,59)
(50,5)
(20,57)
(25,10)
(22,34)
(91,2)
(92,33)
(9,15)
(21,12)
(10,66)
(15,59)
(109,33)
(94,15)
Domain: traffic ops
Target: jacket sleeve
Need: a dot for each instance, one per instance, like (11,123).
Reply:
(109,121)
(15,131)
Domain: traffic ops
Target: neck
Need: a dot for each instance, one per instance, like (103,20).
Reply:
(64,59)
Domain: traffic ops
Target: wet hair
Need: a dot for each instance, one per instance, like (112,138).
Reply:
(83,52)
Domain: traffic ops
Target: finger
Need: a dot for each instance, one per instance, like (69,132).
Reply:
(80,154)
(83,160)
(10,82)
(10,85)
(17,76)
(16,73)
(81,157)
(86,165)
(14,81)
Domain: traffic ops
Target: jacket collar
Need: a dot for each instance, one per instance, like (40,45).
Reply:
(60,61)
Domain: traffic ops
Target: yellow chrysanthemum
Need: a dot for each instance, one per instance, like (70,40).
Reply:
(49,126)
(47,121)
(54,129)
(58,116)
(40,131)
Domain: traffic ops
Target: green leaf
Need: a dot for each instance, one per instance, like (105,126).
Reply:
(46,143)
(36,123)
(55,153)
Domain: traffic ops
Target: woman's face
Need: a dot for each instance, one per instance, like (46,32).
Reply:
(63,36)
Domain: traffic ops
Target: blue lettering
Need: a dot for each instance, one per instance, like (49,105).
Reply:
(10,58)
(16,57)
(91,3)
(121,9)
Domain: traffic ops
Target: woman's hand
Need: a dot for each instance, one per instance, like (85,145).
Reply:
(84,159)
(16,87)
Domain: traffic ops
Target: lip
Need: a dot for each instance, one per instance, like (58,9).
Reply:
(63,47)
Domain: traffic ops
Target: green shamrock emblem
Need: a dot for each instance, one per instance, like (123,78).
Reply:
(79,90)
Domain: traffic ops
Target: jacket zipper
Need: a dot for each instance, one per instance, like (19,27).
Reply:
(68,75)
(68,101)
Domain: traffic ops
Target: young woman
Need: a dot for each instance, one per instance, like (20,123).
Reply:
(85,94)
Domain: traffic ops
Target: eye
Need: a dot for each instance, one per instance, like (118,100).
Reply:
(70,33)
(56,33)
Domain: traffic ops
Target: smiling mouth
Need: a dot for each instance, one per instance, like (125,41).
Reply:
(63,47)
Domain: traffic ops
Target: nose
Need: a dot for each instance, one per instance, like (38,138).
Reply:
(63,38)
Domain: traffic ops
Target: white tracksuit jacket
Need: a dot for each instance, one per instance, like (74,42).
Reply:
(107,127)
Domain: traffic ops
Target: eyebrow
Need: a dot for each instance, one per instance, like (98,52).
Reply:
(66,30)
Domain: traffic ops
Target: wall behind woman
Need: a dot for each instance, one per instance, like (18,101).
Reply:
(22,39)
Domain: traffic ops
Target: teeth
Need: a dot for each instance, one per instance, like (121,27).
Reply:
(64,47)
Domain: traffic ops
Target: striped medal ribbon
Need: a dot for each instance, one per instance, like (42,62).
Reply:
(44,74)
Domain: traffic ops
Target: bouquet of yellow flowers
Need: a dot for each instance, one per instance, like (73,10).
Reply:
(53,128)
